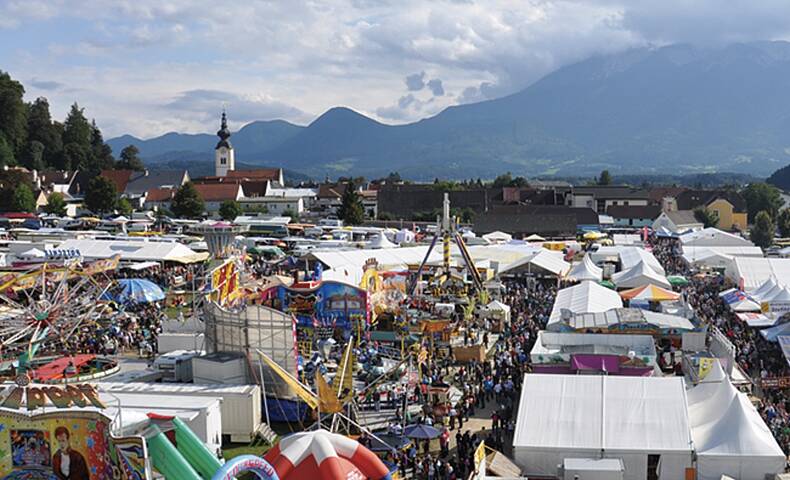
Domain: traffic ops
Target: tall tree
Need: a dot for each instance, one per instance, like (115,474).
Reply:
(23,200)
(74,157)
(124,207)
(100,155)
(762,233)
(130,159)
(762,197)
(708,218)
(35,156)
(783,223)
(6,152)
(229,210)
(101,196)
(77,129)
(56,204)
(41,129)
(605,178)
(187,202)
(351,210)
(13,113)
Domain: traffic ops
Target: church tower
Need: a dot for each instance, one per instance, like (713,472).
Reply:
(224,160)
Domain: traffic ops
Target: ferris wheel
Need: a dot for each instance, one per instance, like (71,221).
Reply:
(47,306)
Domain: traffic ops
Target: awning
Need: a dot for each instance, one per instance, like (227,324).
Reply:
(140,265)
(757,320)
(598,363)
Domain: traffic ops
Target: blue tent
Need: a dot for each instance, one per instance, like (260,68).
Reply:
(136,290)
(422,432)
(772,334)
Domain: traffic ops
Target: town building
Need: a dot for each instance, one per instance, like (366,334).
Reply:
(600,198)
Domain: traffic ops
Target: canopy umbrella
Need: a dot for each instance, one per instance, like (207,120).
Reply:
(136,290)
(677,280)
(593,235)
(607,284)
(422,432)
(650,293)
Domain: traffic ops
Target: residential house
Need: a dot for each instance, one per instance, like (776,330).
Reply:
(158,198)
(330,197)
(140,183)
(634,215)
(274,175)
(213,194)
(729,205)
(600,198)
(308,195)
(119,178)
(274,205)
(677,221)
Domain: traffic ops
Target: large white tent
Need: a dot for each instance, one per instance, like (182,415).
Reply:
(585,270)
(582,298)
(542,261)
(713,237)
(751,272)
(580,416)
(639,275)
(134,251)
(628,256)
(729,435)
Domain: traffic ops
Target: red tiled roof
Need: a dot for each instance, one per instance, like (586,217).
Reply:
(159,195)
(217,192)
(120,178)
(257,174)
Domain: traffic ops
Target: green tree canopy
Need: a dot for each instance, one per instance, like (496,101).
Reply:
(187,202)
(605,178)
(6,153)
(130,159)
(229,210)
(13,113)
(762,197)
(56,204)
(124,207)
(708,218)
(99,157)
(41,129)
(783,223)
(101,196)
(35,155)
(351,210)
(23,200)
(77,129)
(762,233)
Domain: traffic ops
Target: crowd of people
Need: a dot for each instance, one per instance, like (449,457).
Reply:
(757,357)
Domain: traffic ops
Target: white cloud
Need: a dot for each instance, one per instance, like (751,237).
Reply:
(138,63)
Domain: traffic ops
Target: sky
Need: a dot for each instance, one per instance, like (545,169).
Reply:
(147,67)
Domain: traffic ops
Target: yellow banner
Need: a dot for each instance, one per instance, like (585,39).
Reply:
(705,366)
(480,455)
(303,392)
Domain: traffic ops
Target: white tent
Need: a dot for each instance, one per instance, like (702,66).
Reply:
(33,253)
(713,237)
(498,310)
(541,261)
(497,237)
(580,416)
(585,270)
(751,272)
(628,256)
(134,251)
(639,275)
(380,241)
(404,236)
(758,293)
(535,238)
(729,435)
(583,298)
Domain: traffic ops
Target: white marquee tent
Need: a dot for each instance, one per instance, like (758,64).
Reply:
(585,270)
(135,251)
(713,237)
(751,272)
(497,237)
(628,256)
(639,275)
(542,261)
(729,435)
(583,298)
(579,416)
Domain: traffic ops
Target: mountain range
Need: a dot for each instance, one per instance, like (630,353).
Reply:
(680,109)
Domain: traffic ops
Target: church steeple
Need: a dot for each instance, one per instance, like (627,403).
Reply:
(224,159)
(224,133)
